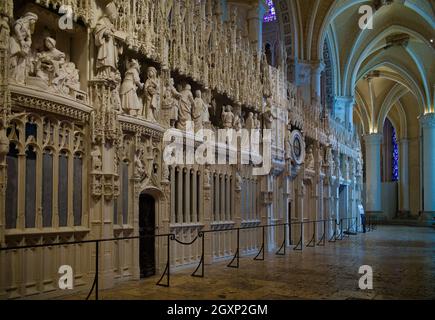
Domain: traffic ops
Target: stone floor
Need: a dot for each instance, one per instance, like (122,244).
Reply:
(402,258)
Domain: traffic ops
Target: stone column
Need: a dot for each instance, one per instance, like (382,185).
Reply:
(404,177)
(427,123)
(207,214)
(6,15)
(267,210)
(373,174)
(255,24)
(327,202)
(316,90)
(344,109)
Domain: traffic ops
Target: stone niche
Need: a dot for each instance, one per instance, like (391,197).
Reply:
(73,43)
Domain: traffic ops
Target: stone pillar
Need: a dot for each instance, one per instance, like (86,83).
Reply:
(267,210)
(327,202)
(404,208)
(6,15)
(316,89)
(255,24)
(207,215)
(373,174)
(427,123)
(343,109)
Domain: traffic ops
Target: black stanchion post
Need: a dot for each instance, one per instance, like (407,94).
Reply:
(96,268)
(169,258)
(341,229)
(285,236)
(238,246)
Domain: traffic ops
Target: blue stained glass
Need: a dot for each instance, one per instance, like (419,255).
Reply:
(271,14)
(395,157)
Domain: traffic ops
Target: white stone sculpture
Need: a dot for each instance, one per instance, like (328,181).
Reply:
(207,178)
(237,123)
(227,117)
(20,45)
(115,99)
(330,160)
(268,119)
(288,147)
(97,163)
(170,101)
(152,96)
(257,122)
(309,159)
(185,108)
(139,166)
(165,173)
(53,74)
(4,143)
(206,114)
(107,45)
(239,181)
(49,62)
(338,165)
(198,110)
(130,102)
(4,32)
(346,168)
(250,122)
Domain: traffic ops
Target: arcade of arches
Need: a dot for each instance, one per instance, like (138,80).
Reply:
(89,91)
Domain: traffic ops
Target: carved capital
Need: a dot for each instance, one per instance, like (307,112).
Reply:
(428,120)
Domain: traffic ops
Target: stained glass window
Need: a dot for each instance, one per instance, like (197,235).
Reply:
(271,14)
(395,157)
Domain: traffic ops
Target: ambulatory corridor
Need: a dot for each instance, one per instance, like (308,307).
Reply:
(402,259)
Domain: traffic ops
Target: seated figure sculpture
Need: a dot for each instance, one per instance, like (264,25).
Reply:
(54,74)
(49,62)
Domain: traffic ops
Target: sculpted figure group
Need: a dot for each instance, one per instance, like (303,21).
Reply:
(48,69)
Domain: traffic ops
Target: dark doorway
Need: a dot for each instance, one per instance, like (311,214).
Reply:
(146,231)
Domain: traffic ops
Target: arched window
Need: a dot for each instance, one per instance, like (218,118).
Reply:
(271,13)
(11,208)
(327,79)
(47,188)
